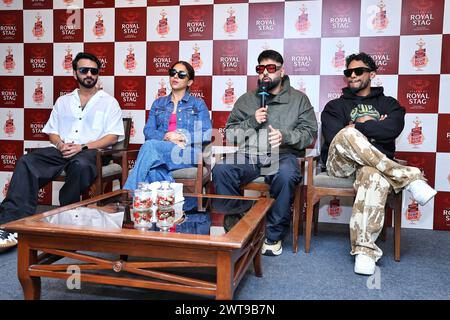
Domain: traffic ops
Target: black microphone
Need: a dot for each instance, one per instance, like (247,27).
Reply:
(263,93)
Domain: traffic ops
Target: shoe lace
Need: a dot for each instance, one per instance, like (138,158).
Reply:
(4,234)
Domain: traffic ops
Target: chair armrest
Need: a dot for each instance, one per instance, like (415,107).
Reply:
(310,160)
(108,152)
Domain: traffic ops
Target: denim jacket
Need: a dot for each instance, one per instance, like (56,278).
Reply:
(193,120)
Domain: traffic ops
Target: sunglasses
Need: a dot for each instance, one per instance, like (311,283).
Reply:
(85,70)
(271,68)
(181,74)
(358,71)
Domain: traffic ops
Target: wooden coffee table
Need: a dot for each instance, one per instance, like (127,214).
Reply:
(229,255)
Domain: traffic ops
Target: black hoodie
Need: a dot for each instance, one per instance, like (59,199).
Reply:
(382,134)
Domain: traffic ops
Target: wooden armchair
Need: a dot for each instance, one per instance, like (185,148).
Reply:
(320,185)
(110,171)
(194,179)
(263,188)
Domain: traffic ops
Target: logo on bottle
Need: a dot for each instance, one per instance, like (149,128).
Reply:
(67,62)
(38,95)
(413,213)
(230,25)
(301,86)
(9,128)
(163,26)
(38,29)
(338,60)
(229,98)
(6,186)
(162,90)
(99,26)
(416,136)
(302,24)
(8,2)
(130,60)
(380,22)
(9,63)
(420,59)
(334,209)
(196,60)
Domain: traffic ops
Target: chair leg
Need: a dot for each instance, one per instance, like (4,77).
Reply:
(316,218)
(302,209)
(383,234)
(397,225)
(309,220)
(296,217)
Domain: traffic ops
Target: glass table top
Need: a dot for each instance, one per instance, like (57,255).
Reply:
(122,211)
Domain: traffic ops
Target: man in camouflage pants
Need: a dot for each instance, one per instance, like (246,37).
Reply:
(359,130)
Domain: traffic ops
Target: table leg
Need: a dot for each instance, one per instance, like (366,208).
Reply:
(31,286)
(257,264)
(225,276)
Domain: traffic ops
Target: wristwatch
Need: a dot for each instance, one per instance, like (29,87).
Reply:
(84,147)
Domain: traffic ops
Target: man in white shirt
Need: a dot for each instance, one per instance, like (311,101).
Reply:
(80,123)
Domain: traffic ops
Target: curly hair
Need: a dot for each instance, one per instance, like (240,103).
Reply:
(364,57)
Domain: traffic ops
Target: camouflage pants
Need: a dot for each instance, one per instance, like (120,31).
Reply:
(350,154)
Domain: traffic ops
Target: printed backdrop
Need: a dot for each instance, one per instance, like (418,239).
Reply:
(137,41)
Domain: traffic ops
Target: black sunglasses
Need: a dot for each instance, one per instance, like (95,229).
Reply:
(181,74)
(358,71)
(85,70)
(271,68)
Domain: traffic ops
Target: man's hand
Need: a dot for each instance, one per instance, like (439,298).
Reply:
(68,150)
(261,115)
(275,137)
(364,119)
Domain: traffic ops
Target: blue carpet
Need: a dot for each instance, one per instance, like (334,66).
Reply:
(325,273)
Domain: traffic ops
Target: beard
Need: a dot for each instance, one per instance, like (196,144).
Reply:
(362,85)
(269,83)
(87,82)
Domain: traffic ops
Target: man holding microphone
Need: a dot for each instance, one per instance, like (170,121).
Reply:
(271,126)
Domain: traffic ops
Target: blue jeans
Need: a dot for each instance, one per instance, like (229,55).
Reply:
(155,161)
(228,178)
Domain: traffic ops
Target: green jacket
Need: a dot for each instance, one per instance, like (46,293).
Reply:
(289,111)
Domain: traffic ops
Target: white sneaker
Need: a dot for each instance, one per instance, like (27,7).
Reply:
(270,248)
(364,265)
(421,191)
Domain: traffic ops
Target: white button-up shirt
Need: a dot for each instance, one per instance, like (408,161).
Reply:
(101,116)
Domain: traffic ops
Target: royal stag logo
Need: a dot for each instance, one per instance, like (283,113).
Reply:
(38,28)
(67,61)
(130,63)
(338,60)
(302,24)
(228,97)
(9,64)
(230,25)
(416,136)
(99,29)
(9,128)
(163,25)
(380,21)
(196,60)
(420,59)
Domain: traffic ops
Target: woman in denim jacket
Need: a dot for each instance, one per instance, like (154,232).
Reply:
(177,128)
